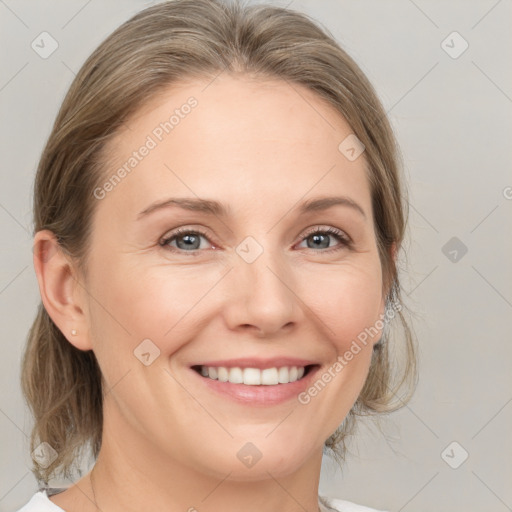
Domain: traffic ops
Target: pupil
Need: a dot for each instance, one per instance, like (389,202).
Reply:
(189,240)
(318,237)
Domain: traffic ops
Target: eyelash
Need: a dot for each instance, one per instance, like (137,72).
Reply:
(344,240)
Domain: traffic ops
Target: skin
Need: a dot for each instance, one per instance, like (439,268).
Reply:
(170,443)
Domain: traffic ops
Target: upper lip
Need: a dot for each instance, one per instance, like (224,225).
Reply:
(261,363)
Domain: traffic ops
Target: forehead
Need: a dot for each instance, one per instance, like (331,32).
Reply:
(241,140)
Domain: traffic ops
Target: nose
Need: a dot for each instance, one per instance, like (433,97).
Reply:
(260,296)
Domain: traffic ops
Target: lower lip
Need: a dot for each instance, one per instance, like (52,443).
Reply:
(261,394)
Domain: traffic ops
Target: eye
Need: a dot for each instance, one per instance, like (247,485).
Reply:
(187,240)
(320,238)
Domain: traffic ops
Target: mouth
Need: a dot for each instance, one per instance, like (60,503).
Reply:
(248,376)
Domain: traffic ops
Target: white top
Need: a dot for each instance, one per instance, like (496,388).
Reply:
(41,503)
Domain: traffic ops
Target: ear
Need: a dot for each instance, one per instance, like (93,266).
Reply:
(385,292)
(61,293)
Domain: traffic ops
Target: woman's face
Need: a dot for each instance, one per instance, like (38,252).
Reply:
(256,282)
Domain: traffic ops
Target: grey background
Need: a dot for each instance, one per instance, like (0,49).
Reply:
(453,119)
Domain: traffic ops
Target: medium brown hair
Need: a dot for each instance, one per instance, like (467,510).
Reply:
(160,46)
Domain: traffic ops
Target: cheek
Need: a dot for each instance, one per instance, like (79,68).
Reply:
(348,301)
(133,303)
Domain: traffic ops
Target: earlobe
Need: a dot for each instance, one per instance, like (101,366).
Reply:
(60,292)
(384,304)
(393,252)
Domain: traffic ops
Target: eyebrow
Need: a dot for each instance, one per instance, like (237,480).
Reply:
(211,207)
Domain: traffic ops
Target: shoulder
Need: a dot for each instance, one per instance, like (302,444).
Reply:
(339,505)
(40,503)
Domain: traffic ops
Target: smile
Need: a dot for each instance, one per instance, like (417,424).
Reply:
(254,376)
(258,386)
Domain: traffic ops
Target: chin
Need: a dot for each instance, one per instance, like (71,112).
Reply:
(246,461)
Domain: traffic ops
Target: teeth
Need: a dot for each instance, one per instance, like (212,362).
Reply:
(254,376)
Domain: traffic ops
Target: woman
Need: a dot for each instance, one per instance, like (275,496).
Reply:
(218,213)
